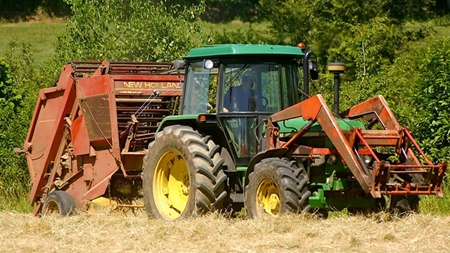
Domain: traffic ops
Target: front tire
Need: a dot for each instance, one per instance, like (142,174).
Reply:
(276,186)
(183,175)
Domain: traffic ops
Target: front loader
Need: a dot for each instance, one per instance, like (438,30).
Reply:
(288,153)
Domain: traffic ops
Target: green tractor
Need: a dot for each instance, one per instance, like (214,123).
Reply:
(248,135)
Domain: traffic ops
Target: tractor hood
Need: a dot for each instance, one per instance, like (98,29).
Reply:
(292,126)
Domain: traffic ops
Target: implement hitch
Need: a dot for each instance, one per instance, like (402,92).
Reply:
(400,172)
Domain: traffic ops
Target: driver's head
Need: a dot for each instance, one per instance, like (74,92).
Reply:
(248,80)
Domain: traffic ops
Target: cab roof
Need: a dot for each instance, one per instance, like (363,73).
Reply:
(243,49)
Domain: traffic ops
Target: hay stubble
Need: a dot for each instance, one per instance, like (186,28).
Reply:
(119,232)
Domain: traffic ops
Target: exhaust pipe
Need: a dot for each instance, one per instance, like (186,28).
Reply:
(336,68)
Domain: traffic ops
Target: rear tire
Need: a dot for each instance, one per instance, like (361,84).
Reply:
(276,186)
(183,174)
(58,202)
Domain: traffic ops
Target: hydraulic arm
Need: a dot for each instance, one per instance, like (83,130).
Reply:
(381,178)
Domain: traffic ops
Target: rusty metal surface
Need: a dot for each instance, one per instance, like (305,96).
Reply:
(376,109)
(74,141)
(87,68)
(80,137)
(426,179)
(433,174)
(385,178)
(97,116)
(46,131)
(315,109)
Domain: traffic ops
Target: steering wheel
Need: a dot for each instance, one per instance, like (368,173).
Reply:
(264,101)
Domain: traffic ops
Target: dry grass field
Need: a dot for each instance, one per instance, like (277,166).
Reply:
(127,232)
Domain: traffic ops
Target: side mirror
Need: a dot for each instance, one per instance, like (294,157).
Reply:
(313,71)
(309,70)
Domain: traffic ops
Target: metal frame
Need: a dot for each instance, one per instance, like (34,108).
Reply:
(351,144)
(60,149)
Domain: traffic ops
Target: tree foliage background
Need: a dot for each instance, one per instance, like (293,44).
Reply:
(389,46)
(130,30)
(384,52)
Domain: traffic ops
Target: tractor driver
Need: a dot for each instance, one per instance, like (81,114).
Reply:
(242,98)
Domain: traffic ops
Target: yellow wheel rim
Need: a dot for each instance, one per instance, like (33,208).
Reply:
(52,209)
(171,185)
(268,197)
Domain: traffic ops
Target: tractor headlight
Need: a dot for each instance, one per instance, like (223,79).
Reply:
(208,64)
(332,159)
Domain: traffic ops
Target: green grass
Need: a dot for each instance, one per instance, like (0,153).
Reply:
(440,30)
(433,205)
(14,195)
(40,36)
(233,26)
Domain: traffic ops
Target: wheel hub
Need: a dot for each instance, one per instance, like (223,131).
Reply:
(171,185)
(268,197)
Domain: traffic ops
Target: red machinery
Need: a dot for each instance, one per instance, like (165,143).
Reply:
(351,144)
(89,133)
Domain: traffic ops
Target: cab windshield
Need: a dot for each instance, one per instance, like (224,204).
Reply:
(242,95)
(258,87)
(271,87)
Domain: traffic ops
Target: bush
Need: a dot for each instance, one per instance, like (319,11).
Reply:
(18,93)
(130,30)
(431,97)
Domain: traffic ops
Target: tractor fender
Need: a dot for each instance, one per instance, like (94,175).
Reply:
(276,152)
(186,120)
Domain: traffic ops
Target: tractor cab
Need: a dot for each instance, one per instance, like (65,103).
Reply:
(242,85)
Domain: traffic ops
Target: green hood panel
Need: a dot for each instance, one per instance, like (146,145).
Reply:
(294,125)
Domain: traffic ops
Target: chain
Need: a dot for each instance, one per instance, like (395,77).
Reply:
(146,103)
